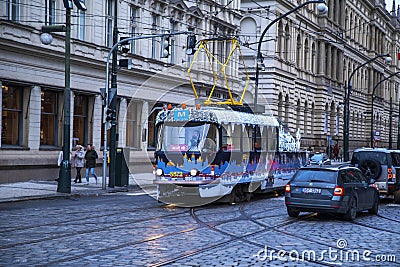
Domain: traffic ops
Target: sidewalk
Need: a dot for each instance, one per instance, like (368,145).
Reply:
(48,189)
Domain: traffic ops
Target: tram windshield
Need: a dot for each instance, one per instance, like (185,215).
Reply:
(187,137)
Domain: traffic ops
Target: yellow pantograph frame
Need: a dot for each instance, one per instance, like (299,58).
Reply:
(203,47)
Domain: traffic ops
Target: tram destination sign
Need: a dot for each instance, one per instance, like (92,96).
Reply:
(181,115)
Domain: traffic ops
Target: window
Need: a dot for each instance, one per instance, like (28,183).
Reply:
(133,25)
(80,125)
(109,22)
(154,27)
(11,128)
(174,27)
(133,127)
(48,118)
(80,34)
(52,12)
(13,10)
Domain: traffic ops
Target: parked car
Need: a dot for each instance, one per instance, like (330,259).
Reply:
(383,165)
(320,159)
(341,189)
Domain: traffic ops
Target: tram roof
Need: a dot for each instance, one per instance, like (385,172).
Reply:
(216,115)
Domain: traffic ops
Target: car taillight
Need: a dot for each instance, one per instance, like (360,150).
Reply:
(390,174)
(287,188)
(339,191)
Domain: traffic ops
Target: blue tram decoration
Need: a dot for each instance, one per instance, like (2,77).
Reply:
(216,153)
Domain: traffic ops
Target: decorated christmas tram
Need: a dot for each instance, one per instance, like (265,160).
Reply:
(204,154)
(222,150)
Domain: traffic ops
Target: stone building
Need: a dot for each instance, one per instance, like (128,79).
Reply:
(32,75)
(309,58)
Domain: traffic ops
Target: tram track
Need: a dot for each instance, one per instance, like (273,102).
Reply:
(89,231)
(76,219)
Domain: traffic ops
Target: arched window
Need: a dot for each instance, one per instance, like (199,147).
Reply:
(306,54)
(287,43)
(313,57)
(298,51)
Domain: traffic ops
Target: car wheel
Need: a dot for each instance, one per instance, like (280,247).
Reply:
(397,196)
(293,213)
(375,206)
(351,213)
(371,167)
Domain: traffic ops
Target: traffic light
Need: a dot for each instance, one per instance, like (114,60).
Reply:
(191,44)
(165,46)
(111,116)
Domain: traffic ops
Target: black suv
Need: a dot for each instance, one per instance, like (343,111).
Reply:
(383,165)
(342,189)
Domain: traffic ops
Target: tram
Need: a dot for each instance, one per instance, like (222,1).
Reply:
(205,154)
(221,150)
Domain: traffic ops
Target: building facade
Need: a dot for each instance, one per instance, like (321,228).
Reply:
(32,75)
(309,58)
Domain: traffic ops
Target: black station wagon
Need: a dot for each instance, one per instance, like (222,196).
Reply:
(339,189)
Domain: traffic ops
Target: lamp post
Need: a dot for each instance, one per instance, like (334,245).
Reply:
(372,110)
(347,93)
(322,8)
(64,180)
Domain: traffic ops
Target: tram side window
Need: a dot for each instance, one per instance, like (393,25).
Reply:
(231,136)
(271,139)
(247,139)
(263,145)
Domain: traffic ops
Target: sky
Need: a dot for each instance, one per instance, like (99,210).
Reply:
(389,4)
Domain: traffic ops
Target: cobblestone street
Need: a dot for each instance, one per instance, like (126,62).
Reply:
(127,229)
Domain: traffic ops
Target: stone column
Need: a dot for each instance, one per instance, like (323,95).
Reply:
(97,115)
(33,122)
(123,107)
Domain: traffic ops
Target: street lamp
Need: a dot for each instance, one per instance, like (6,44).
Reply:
(64,180)
(347,92)
(372,108)
(322,8)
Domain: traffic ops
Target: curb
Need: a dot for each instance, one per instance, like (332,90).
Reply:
(73,195)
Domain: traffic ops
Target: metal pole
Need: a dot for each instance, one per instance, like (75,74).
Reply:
(372,105)
(113,101)
(390,120)
(398,128)
(64,181)
(347,107)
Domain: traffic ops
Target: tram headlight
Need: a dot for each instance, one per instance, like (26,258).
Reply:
(194,172)
(159,172)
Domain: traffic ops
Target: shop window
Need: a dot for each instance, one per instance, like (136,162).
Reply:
(80,123)
(11,128)
(48,118)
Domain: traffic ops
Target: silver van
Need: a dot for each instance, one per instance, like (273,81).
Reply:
(383,165)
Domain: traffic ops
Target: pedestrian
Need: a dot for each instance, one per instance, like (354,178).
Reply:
(336,152)
(90,157)
(78,162)
(340,154)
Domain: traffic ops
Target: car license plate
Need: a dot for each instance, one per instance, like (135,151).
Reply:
(312,190)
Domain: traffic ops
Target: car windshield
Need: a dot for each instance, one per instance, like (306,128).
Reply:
(317,157)
(311,175)
(360,156)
